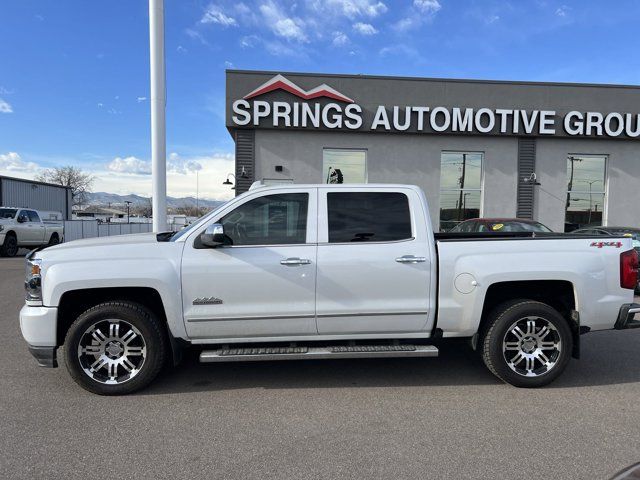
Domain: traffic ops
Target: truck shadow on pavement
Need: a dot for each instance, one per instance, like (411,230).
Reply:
(608,358)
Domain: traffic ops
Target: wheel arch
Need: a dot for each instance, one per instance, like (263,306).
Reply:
(558,294)
(74,302)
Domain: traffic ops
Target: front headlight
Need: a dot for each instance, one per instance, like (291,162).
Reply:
(33,281)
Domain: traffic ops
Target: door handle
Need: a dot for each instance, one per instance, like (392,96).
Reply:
(294,261)
(411,259)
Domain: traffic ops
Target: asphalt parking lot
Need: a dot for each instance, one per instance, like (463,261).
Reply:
(406,418)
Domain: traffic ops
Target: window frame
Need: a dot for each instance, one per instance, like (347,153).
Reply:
(323,219)
(457,190)
(605,186)
(312,209)
(35,214)
(323,179)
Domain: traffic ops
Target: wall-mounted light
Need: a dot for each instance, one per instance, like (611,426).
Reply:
(227,181)
(532,179)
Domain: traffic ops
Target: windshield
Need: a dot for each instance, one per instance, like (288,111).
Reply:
(8,212)
(514,227)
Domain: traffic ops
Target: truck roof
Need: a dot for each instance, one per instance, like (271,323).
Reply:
(261,185)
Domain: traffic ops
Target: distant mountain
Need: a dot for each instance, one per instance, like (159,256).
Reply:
(104,199)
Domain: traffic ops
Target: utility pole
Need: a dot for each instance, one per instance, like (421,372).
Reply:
(570,186)
(461,181)
(128,204)
(197,192)
(157,100)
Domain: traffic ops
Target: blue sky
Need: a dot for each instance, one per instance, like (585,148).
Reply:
(74,77)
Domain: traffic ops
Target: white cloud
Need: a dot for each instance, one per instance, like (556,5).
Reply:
(195,35)
(5,107)
(12,163)
(562,11)
(402,50)
(492,19)
(6,91)
(214,14)
(212,171)
(427,6)
(282,25)
(249,41)
(364,28)
(181,49)
(141,99)
(422,11)
(136,166)
(228,64)
(177,164)
(339,39)
(352,8)
(130,165)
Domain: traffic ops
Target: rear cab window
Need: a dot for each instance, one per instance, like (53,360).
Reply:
(354,217)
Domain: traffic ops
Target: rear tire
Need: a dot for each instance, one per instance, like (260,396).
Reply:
(115,348)
(54,240)
(10,246)
(526,343)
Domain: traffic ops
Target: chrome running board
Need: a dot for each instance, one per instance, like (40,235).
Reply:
(316,353)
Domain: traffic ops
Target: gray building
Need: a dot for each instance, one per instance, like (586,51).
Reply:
(567,155)
(17,192)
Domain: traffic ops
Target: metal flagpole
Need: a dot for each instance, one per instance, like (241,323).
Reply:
(158,104)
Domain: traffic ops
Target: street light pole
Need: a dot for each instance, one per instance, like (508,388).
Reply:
(197,197)
(157,100)
(128,205)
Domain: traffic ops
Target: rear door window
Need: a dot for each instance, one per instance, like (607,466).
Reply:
(368,217)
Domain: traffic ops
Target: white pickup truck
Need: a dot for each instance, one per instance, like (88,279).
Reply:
(28,228)
(322,272)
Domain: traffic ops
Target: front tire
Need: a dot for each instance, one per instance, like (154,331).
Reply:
(526,343)
(115,348)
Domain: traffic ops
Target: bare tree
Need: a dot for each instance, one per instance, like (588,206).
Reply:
(190,210)
(69,176)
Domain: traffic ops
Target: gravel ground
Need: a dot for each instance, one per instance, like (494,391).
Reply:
(400,418)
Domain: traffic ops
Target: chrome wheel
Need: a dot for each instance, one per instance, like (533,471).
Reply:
(531,346)
(112,351)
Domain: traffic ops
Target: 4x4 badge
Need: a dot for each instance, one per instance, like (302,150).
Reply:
(606,244)
(207,301)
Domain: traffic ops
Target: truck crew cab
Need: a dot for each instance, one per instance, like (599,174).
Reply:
(322,271)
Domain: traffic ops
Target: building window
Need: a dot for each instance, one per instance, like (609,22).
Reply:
(585,190)
(460,188)
(368,217)
(344,166)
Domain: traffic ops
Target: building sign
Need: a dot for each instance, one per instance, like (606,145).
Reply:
(326,108)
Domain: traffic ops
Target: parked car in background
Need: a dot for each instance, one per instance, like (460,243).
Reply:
(27,228)
(502,225)
(633,233)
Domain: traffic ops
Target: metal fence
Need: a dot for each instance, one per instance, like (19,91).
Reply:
(77,229)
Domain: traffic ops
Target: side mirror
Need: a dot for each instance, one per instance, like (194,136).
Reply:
(213,236)
(22,218)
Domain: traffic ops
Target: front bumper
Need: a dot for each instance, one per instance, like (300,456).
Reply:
(39,326)
(46,356)
(625,316)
